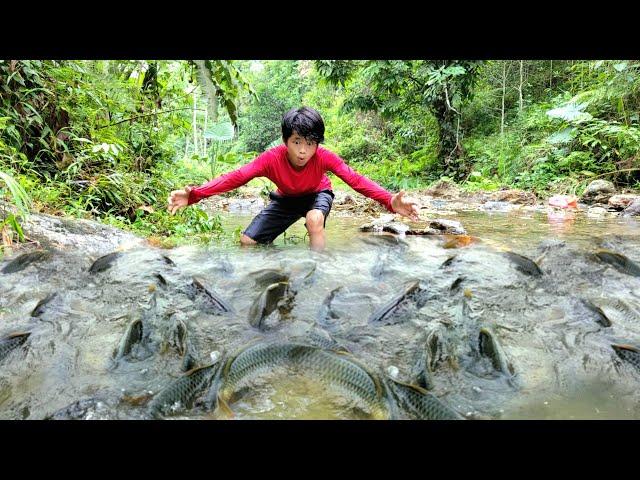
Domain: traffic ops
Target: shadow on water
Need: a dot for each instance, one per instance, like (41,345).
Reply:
(499,340)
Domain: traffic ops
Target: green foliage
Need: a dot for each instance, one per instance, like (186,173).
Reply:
(279,87)
(111,138)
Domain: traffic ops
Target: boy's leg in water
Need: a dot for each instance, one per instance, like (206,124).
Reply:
(317,218)
(274,219)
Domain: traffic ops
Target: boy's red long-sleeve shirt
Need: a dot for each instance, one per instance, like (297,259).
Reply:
(274,165)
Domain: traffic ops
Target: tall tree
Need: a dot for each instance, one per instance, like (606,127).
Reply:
(393,87)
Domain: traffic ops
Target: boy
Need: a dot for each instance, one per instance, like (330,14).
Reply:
(298,169)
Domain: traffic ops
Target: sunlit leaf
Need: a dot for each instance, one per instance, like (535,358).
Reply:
(220,132)
(570,112)
(563,136)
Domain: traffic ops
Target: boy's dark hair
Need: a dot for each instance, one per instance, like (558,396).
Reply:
(306,121)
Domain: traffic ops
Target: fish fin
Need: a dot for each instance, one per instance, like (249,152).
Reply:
(625,346)
(18,334)
(225,408)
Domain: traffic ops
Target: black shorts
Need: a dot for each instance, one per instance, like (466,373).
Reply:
(282,212)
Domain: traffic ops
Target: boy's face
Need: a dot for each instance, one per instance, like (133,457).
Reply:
(300,150)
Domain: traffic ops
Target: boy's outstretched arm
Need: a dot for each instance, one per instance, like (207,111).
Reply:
(361,184)
(234,179)
(178,199)
(404,206)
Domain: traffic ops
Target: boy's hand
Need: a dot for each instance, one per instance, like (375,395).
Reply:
(404,206)
(178,199)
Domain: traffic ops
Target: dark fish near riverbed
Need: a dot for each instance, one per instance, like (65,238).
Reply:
(266,303)
(11,342)
(326,313)
(489,347)
(427,359)
(601,317)
(211,302)
(448,261)
(183,344)
(392,311)
(619,262)
(168,261)
(455,286)
(629,354)
(24,260)
(524,264)
(420,404)
(182,392)
(161,280)
(132,336)
(105,262)
(40,307)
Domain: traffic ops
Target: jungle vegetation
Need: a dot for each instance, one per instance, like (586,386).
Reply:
(109,139)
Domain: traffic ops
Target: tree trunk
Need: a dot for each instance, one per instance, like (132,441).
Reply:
(195,123)
(504,89)
(204,130)
(204,74)
(521,82)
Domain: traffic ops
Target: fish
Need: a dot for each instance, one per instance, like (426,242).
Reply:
(628,353)
(132,335)
(448,261)
(301,275)
(456,284)
(24,260)
(342,372)
(212,302)
(602,318)
(182,392)
(250,361)
(489,347)
(105,262)
(266,303)
(390,312)
(11,342)
(420,404)
(325,313)
(39,308)
(524,264)
(168,261)
(183,344)
(161,280)
(619,262)
(268,276)
(322,339)
(423,370)
(338,370)
(619,310)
